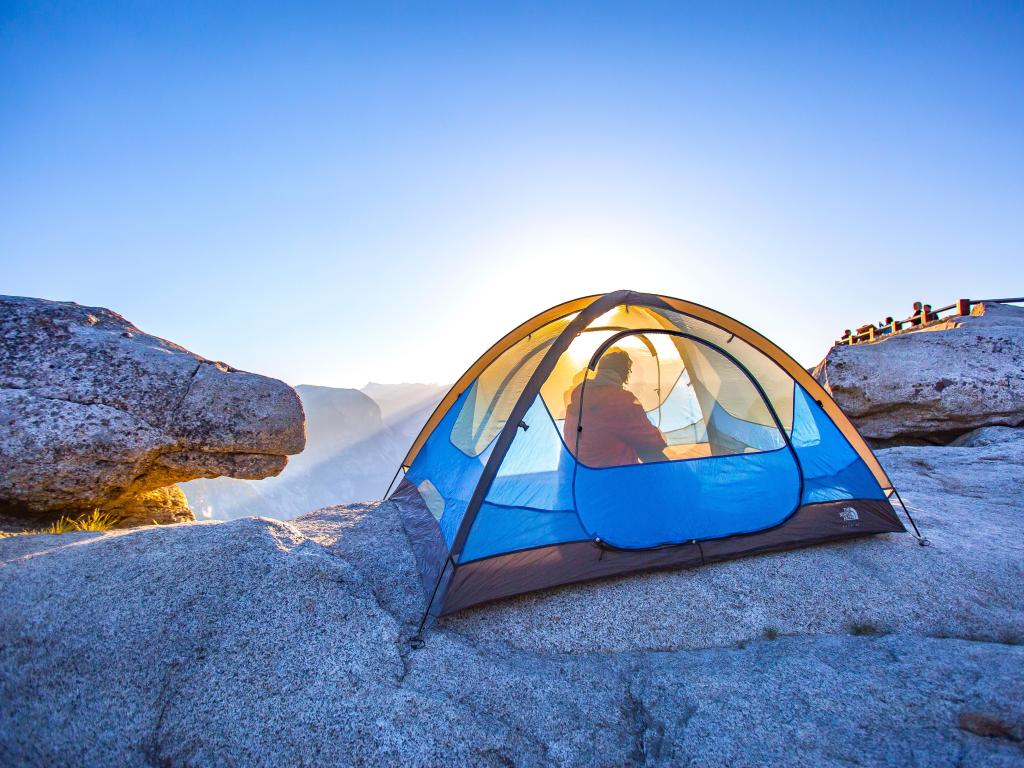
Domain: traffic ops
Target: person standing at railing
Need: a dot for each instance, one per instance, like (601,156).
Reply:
(916,317)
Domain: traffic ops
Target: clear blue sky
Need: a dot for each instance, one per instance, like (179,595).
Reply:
(336,193)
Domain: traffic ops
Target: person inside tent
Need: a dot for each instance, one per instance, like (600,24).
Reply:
(616,429)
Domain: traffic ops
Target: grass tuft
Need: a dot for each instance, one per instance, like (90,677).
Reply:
(63,525)
(865,629)
(97,521)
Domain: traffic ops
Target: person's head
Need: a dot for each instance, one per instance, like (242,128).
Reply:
(888,321)
(927,307)
(617,360)
(846,333)
(917,306)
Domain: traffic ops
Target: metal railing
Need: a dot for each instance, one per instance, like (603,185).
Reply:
(867,334)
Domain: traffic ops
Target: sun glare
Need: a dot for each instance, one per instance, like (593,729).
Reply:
(585,345)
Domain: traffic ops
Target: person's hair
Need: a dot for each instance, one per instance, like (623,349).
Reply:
(927,307)
(917,305)
(618,360)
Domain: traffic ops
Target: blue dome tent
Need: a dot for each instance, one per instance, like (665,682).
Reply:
(623,432)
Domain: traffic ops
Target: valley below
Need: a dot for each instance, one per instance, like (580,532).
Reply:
(355,441)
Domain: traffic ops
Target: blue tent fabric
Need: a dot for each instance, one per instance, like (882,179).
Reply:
(453,473)
(537,470)
(671,502)
(530,502)
(542,496)
(508,529)
(744,433)
(832,470)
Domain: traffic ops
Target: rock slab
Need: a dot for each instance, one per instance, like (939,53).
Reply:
(98,414)
(292,647)
(933,385)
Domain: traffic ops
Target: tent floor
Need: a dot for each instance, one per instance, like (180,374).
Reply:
(513,573)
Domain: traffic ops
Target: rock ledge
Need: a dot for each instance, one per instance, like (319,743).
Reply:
(98,414)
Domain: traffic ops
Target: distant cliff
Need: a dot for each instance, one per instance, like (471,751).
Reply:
(354,445)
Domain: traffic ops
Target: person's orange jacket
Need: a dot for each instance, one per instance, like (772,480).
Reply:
(616,430)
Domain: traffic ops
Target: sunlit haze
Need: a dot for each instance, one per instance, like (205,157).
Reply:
(337,194)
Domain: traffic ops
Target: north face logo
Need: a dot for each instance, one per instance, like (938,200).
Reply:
(849,514)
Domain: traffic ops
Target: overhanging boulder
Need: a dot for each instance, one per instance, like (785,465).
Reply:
(98,414)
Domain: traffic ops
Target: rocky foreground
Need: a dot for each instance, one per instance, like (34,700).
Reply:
(260,642)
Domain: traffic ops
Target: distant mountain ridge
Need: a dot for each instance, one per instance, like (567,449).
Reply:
(405,408)
(396,400)
(355,441)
